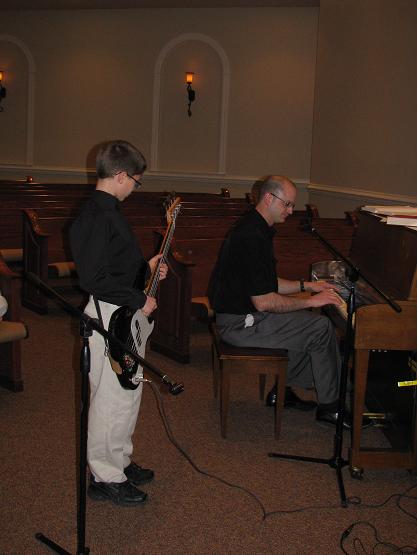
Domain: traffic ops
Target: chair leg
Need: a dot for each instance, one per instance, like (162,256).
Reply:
(262,382)
(279,407)
(216,370)
(224,396)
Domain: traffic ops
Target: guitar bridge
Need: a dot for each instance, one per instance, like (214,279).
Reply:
(128,362)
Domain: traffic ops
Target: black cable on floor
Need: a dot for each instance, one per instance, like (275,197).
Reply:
(172,439)
(378,541)
(352,501)
(389,548)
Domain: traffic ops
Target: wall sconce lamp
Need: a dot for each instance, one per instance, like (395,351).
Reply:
(191,93)
(2,90)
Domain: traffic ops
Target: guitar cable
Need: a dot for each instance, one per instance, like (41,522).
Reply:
(352,501)
(174,442)
(357,542)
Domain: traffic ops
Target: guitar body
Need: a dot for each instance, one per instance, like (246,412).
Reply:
(133,328)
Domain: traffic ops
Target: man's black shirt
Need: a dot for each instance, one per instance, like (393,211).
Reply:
(108,259)
(246,266)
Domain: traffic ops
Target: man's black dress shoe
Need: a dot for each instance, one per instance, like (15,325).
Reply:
(124,494)
(138,475)
(329,417)
(291,400)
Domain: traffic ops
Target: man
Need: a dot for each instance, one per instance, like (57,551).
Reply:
(254,307)
(111,268)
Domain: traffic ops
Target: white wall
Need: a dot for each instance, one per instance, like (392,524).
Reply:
(77,78)
(365,118)
(94,80)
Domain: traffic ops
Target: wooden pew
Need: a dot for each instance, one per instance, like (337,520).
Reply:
(12,330)
(47,225)
(77,188)
(42,244)
(296,248)
(47,253)
(66,199)
(45,241)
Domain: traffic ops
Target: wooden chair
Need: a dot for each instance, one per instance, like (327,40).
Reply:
(228,359)
(12,330)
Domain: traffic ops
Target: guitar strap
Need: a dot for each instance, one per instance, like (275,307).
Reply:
(100,319)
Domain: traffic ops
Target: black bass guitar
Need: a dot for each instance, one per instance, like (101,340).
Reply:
(131,326)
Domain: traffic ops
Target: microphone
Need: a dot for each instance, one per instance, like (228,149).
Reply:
(307,224)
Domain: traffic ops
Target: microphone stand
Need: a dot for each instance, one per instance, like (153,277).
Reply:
(87,325)
(336,461)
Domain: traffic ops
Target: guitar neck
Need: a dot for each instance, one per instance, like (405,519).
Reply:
(153,283)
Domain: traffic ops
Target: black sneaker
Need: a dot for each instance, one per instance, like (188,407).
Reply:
(138,475)
(123,493)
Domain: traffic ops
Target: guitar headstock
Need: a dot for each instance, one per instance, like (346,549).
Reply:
(173,206)
(169,199)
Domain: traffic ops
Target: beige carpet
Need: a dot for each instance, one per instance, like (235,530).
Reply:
(188,513)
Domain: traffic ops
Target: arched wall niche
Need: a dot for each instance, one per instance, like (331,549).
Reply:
(195,144)
(18,116)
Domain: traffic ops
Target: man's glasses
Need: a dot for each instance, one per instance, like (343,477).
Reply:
(138,184)
(286,203)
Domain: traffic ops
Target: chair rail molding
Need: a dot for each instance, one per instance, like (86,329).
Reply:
(352,193)
(207,182)
(30,94)
(224,95)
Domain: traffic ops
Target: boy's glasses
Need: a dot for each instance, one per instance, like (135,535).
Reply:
(138,184)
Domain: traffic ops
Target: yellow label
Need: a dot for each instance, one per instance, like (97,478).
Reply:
(407,384)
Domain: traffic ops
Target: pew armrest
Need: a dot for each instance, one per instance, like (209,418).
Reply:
(61,269)
(206,303)
(12,255)
(12,331)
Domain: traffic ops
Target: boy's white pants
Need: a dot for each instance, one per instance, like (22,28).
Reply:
(113,410)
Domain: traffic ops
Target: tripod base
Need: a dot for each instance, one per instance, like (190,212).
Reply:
(52,545)
(86,332)
(57,548)
(334,462)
